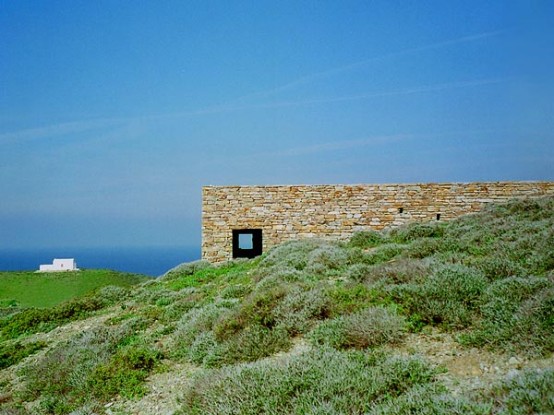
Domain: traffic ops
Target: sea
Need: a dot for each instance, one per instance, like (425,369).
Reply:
(152,261)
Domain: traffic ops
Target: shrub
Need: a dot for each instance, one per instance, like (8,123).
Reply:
(11,410)
(355,255)
(532,209)
(540,258)
(177,309)
(504,297)
(528,392)
(326,258)
(293,254)
(430,399)
(318,381)
(252,343)
(60,377)
(449,297)
(358,272)
(517,315)
(423,247)
(400,271)
(158,295)
(13,353)
(413,231)
(256,308)
(349,298)
(196,322)
(330,332)
(498,266)
(187,268)
(203,348)
(236,291)
(383,253)
(34,320)
(278,274)
(124,373)
(113,294)
(299,309)
(366,239)
(368,328)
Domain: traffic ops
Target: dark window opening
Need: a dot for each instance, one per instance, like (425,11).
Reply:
(400,210)
(247,243)
(438,216)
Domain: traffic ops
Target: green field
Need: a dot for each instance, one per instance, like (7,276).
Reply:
(31,289)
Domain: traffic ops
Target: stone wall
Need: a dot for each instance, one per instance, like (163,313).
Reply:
(337,211)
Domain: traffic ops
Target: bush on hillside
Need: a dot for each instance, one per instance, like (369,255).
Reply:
(298,311)
(33,320)
(368,328)
(318,381)
(257,308)
(60,377)
(400,271)
(326,258)
(13,353)
(252,343)
(528,392)
(180,306)
(413,231)
(383,253)
(293,254)
(194,323)
(236,291)
(517,316)
(279,273)
(534,209)
(498,265)
(366,239)
(430,399)
(123,373)
(359,272)
(423,247)
(187,268)
(449,297)
(113,294)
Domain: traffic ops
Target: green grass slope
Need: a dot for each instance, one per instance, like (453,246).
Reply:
(311,327)
(30,289)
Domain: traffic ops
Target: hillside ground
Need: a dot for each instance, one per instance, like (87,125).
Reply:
(437,318)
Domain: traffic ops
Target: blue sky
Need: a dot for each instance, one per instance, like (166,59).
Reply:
(113,114)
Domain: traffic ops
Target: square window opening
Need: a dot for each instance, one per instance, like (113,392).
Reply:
(247,243)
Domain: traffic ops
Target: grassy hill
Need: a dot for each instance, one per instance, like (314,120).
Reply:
(439,318)
(30,289)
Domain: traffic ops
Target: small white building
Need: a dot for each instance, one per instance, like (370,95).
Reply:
(67,264)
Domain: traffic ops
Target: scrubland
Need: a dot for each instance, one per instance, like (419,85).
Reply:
(435,318)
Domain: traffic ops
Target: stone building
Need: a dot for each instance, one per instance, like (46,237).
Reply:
(244,221)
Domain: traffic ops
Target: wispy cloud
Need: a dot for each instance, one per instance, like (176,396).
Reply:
(354,65)
(74,127)
(332,146)
(341,145)
(82,126)
(314,101)
(404,91)
(57,130)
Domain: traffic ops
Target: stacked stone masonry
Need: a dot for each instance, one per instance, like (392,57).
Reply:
(337,211)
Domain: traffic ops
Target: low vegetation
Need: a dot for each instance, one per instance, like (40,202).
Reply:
(311,326)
